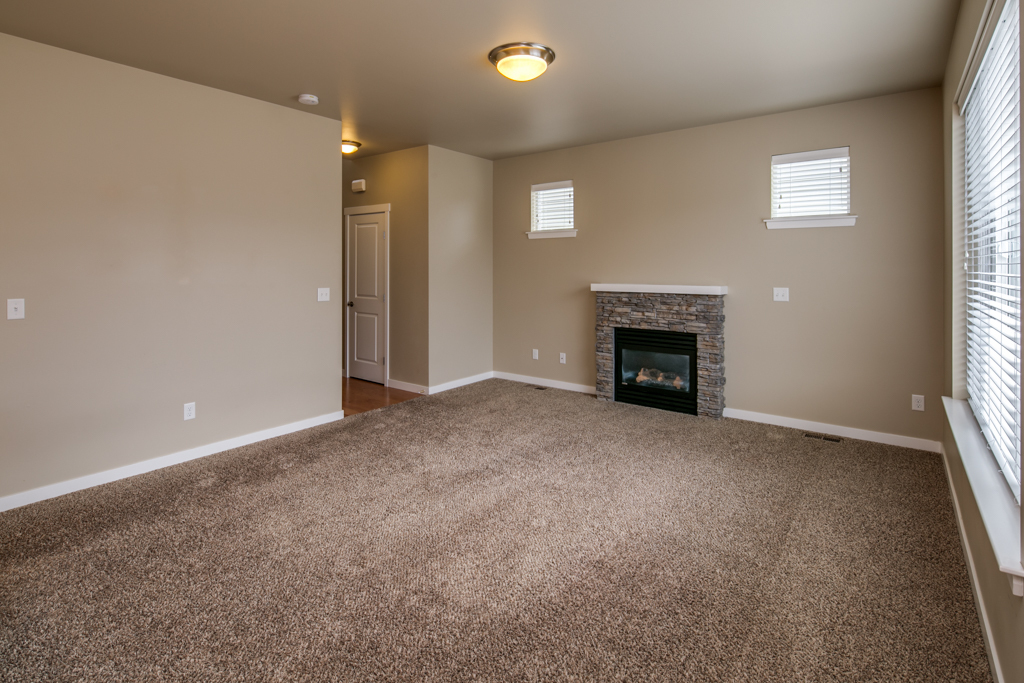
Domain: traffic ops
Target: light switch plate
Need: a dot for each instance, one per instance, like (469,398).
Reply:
(323,294)
(561,358)
(536,354)
(15,309)
(780,293)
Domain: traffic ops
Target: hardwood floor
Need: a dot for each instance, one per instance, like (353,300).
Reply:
(359,396)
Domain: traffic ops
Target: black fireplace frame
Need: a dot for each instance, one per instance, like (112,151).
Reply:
(656,341)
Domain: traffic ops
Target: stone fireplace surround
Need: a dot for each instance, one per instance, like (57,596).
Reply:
(698,310)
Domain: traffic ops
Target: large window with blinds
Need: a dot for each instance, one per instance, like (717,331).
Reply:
(551,210)
(992,245)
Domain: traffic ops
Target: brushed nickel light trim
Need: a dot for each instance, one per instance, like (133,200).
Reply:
(533,51)
(351,146)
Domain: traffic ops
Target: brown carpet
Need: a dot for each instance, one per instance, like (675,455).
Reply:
(500,533)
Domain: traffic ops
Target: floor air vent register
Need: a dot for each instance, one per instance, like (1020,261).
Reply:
(823,437)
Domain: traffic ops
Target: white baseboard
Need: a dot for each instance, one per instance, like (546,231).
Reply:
(17,500)
(407,386)
(835,430)
(553,383)
(454,384)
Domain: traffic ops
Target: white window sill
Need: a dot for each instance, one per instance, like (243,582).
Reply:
(546,234)
(999,510)
(810,222)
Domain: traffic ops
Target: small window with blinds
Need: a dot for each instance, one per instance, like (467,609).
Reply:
(992,244)
(551,210)
(811,189)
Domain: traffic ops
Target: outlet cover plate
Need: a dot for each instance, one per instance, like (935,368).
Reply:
(916,402)
(190,411)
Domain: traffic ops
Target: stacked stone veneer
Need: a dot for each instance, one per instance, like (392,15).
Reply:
(700,314)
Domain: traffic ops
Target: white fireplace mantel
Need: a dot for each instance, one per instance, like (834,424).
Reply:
(662,289)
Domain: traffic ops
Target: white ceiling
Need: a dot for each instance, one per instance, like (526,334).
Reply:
(400,73)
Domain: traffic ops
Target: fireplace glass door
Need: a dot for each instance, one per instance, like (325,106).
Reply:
(649,369)
(656,368)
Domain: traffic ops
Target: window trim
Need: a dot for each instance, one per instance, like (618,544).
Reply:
(839,220)
(556,232)
(548,234)
(1000,513)
(812,155)
(557,185)
(993,12)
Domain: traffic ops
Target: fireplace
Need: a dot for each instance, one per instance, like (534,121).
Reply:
(651,369)
(656,368)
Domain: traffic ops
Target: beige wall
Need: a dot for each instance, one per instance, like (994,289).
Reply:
(461,273)
(863,328)
(400,178)
(168,239)
(992,588)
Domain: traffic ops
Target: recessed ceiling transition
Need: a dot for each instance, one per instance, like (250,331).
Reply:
(405,73)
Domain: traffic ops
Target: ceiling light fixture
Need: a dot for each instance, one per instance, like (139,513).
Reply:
(521,61)
(349,146)
(311,100)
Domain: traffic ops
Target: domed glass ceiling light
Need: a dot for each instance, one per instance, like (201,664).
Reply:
(521,61)
(349,146)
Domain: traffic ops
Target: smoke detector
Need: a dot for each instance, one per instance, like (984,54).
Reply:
(310,100)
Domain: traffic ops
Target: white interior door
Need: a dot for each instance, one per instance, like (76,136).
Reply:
(366,289)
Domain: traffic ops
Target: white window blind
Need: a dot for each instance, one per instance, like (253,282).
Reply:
(551,206)
(992,236)
(811,183)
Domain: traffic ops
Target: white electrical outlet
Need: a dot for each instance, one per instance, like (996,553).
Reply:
(190,411)
(536,354)
(780,293)
(917,402)
(15,309)
(561,358)
(323,294)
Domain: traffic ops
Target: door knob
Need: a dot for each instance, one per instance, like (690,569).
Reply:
(350,304)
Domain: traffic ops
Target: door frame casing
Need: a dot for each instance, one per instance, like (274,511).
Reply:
(359,211)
